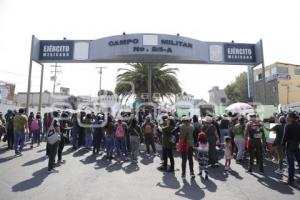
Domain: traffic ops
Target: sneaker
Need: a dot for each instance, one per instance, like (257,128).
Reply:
(192,175)
(134,161)
(53,171)
(162,168)
(279,171)
(127,159)
(290,183)
(171,169)
(19,154)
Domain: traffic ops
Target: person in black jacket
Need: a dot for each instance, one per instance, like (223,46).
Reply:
(291,140)
(10,129)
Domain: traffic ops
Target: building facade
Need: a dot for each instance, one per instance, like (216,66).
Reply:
(282,84)
(217,96)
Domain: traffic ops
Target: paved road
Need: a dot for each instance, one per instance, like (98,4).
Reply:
(86,177)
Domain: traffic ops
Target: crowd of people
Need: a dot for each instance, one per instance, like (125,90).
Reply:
(120,138)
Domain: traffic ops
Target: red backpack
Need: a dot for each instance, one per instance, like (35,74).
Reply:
(120,132)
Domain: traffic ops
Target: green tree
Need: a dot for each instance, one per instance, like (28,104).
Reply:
(105,92)
(164,81)
(237,91)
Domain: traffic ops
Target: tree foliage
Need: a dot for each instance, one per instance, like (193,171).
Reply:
(237,91)
(164,80)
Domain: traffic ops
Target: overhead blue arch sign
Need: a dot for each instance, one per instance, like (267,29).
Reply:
(148,48)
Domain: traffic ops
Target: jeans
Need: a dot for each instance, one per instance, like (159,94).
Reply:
(10,138)
(223,133)
(128,146)
(19,140)
(212,153)
(61,145)
(36,137)
(135,144)
(291,155)
(239,142)
(187,156)
(88,140)
(96,142)
(256,145)
(52,150)
(110,145)
(168,153)
(74,137)
(280,154)
(149,140)
(121,146)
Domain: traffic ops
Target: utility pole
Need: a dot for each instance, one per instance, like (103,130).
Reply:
(100,72)
(54,78)
(149,83)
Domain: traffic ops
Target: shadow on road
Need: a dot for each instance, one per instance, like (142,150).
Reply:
(32,162)
(68,151)
(146,160)
(80,152)
(269,179)
(102,163)
(132,167)
(41,150)
(114,167)
(169,180)
(190,190)
(37,179)
(89,159)
(2,160)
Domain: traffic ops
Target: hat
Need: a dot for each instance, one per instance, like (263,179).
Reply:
(251,115)
(226,138)
(208,119)
(185,118)
(282,120)
(119,118)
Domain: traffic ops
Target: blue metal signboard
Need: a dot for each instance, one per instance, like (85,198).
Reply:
(56,50)
(239,53)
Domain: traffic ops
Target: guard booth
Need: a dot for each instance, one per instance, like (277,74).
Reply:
(143,48)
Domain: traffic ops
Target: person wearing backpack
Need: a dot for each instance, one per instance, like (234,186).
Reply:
(148,129)
(135,133)
(36,127)
(120,134)
(88,131)
(10,129)
(197,129)
(186,145)
(97,135)
(213,140)
(109,129)
(168,143)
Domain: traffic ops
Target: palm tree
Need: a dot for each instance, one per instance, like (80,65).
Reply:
(164,81)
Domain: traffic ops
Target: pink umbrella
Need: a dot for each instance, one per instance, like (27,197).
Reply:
(239,108)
